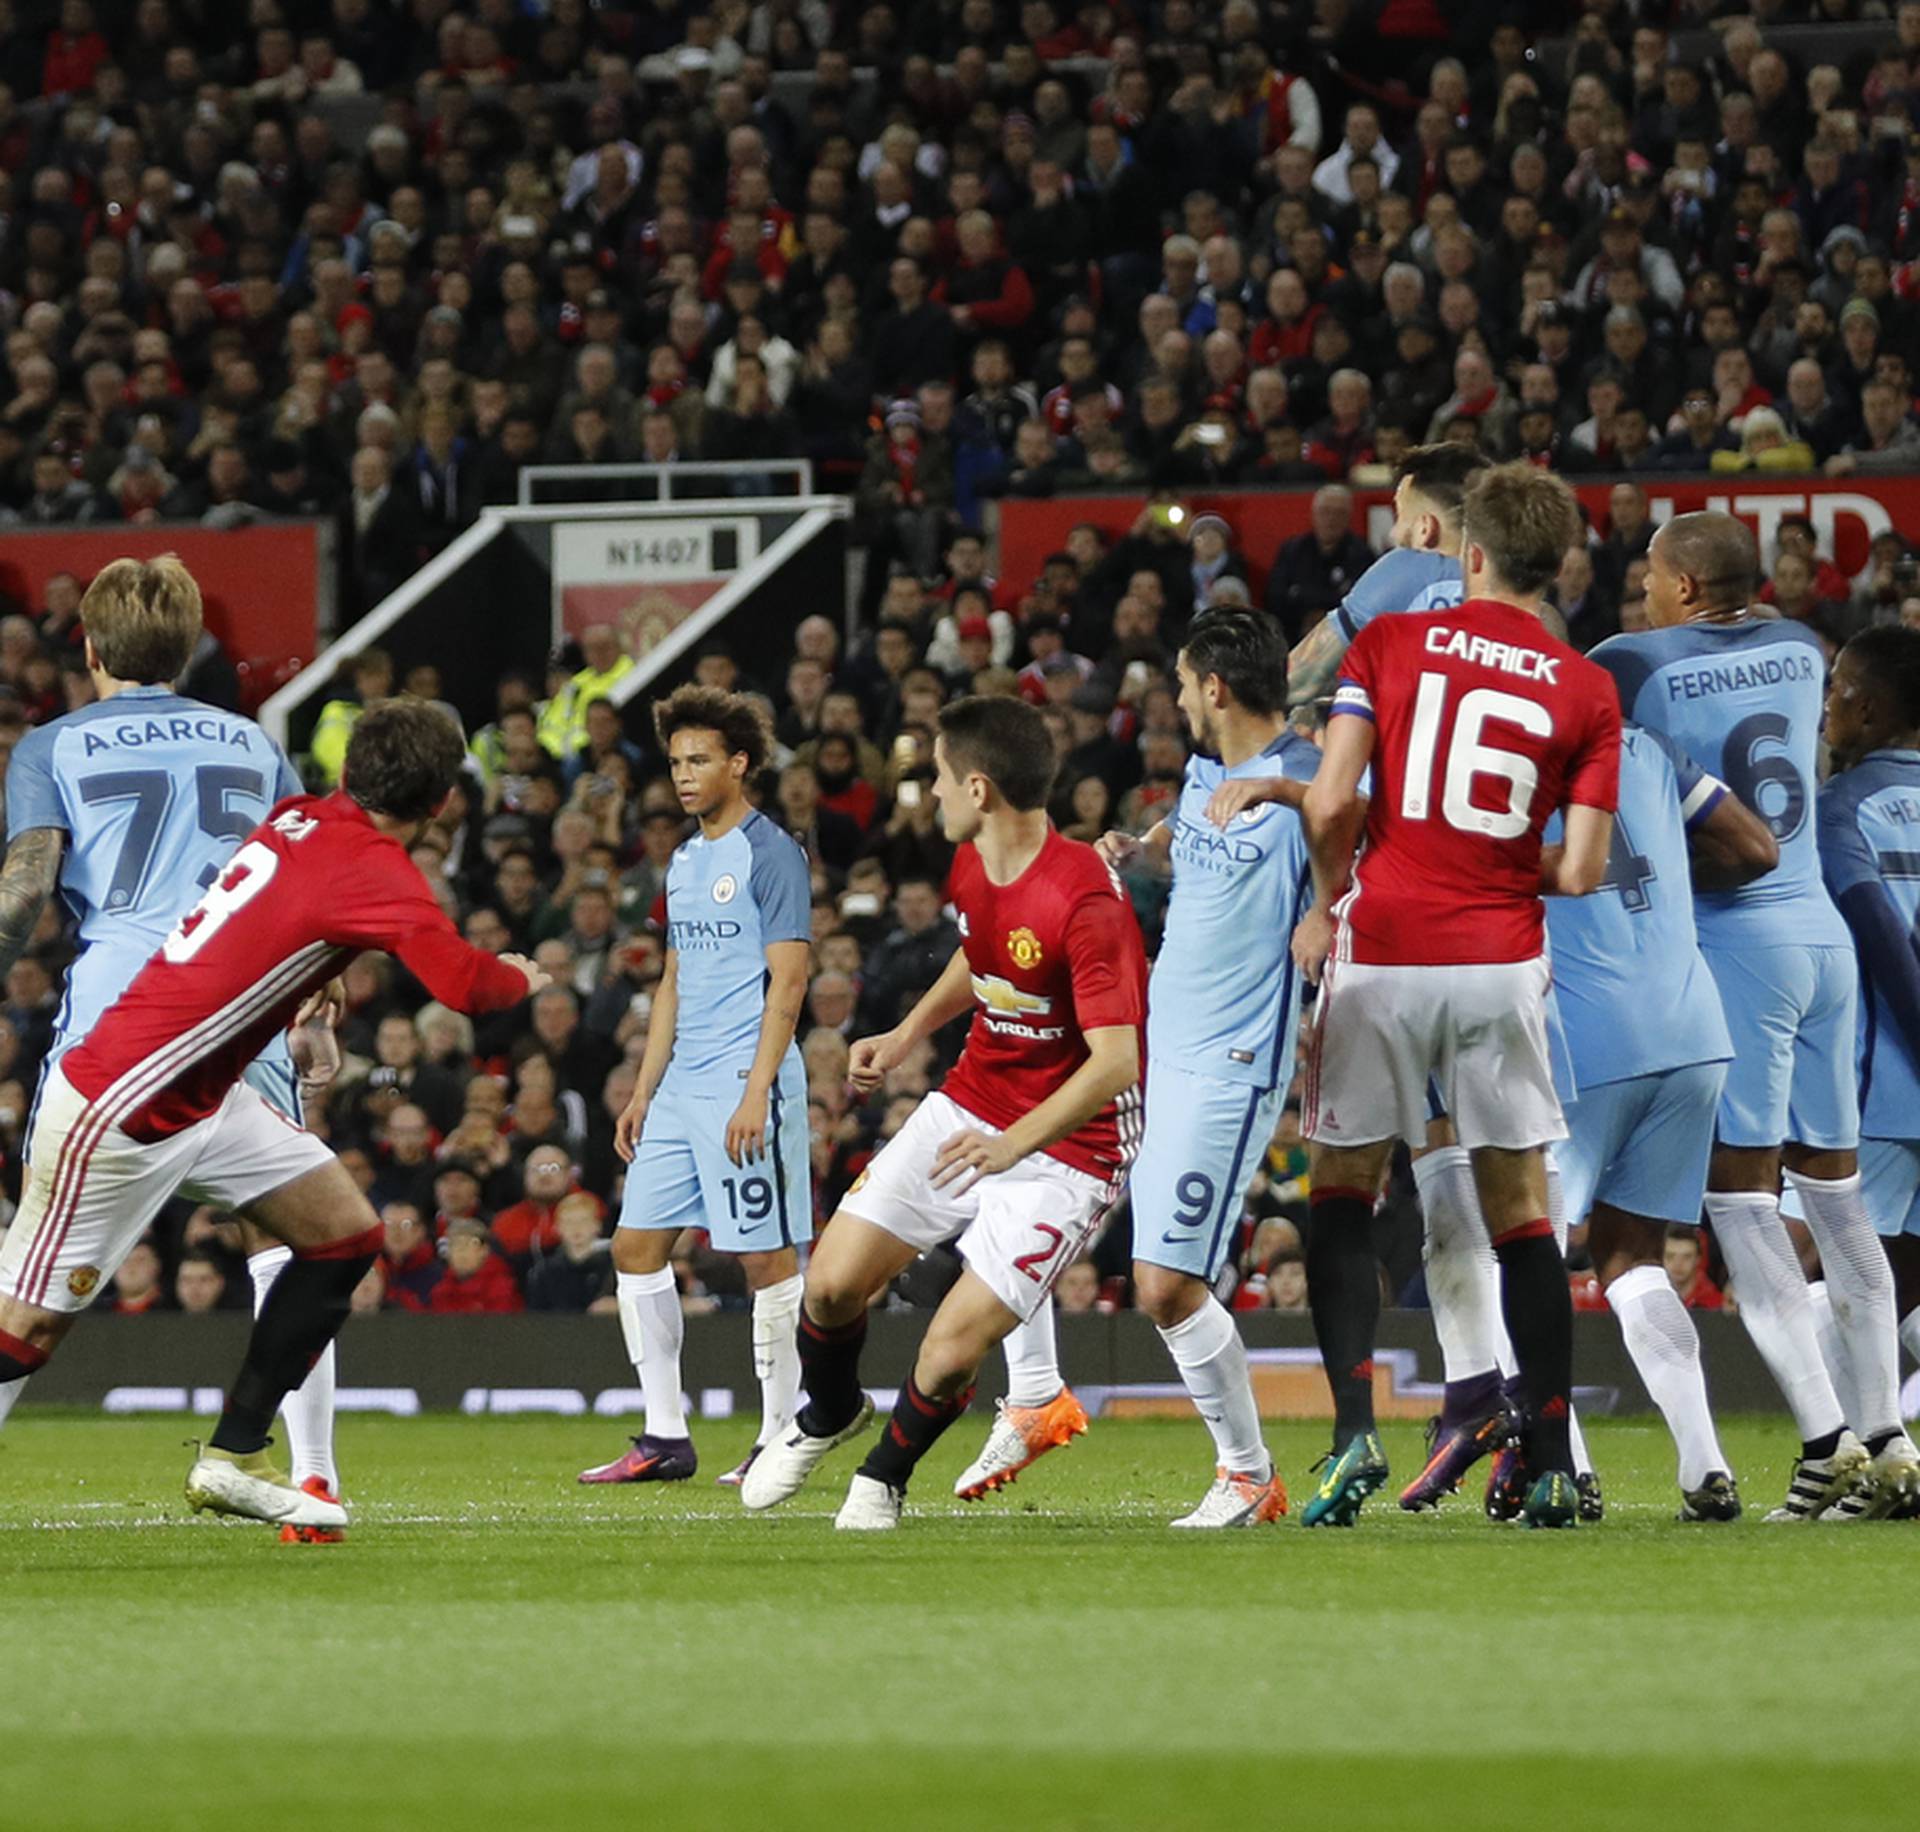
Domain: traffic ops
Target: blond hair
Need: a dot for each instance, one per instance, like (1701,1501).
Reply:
(143,618)
(1524,519)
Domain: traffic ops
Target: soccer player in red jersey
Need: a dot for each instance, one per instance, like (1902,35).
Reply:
(1430,950)
(1018,1155)
(152,1103)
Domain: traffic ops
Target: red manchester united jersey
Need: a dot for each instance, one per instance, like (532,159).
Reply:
(1487,725)
(306,892)
(1054,954)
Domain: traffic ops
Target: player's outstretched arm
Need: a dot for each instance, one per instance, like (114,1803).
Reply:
(1576,866)
(27,879)
(786,994)
(1121,849)
(661,1020)
(1111,1068)
(1314,663)
(942,1002)
(1730,846)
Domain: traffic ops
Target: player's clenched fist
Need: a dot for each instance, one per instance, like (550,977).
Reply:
(536,977)
(1117,848)
(968,1156)
(871,1058)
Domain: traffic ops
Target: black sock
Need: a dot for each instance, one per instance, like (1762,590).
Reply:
(1878,1442)
(1818,1450)
(1538,1309)
(1470,1399)
(1343,1293)
(309,1302)
(913,1430)
(830,1372)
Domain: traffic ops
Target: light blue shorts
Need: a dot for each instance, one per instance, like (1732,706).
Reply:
(681,1176)
(1641,1145)
(1204,1140)
(1790,1011)
(1890,1183)
(275,1083)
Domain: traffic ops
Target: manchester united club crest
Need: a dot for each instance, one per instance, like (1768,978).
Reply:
(1023,949)
(82,1279)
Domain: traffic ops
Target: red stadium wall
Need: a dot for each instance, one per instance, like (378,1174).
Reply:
(1846,515)
(262,586)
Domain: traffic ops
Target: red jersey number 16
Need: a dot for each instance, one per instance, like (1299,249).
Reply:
(1469,756)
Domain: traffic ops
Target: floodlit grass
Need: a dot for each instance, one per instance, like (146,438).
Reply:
(495,1646)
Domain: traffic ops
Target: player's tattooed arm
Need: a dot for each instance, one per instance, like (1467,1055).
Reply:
(1314,663)
(27,879)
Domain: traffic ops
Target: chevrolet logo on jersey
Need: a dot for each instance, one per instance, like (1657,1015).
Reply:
(1006,999)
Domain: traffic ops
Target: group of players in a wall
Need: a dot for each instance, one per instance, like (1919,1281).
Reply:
(1588,935)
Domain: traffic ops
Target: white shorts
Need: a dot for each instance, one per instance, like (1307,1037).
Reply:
(1480,1032)
(1017,1231)
(90,1194)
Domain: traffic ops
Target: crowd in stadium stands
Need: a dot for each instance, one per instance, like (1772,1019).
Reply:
(351,259)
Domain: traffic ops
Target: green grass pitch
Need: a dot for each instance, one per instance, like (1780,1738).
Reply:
(495,1647)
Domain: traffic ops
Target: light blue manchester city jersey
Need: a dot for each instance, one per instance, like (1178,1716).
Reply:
(1635,996)
(1744,701)
(728,900)
(1224,998)
(153,792)
(1870,850)
(1402,579)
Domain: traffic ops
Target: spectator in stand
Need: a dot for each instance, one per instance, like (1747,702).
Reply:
(1313,571)
(476,1280)
(531,1228)
(576,1276)
(1687,1271)
(410,1266)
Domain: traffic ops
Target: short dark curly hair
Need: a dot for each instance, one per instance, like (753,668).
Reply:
(741,723)
(402,759)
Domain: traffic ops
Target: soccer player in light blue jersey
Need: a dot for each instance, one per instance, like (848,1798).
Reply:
(1649,1049)
(1869,826)
(1742,696)
(129,808)
(716,1133)
(1420,571)
(1223,1007)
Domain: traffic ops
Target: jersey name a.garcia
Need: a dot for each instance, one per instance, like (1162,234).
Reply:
(1053,955)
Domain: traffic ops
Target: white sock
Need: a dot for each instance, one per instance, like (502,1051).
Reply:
(1033,1360)
(1860,1290)
(1909,1334)
(1463,1277)
(1772,1291)
(776,1354)
(10,1390)
(1212,1360)
(1833,1348)
(651,1321)
(1665,1348)
(308,1410)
